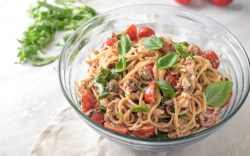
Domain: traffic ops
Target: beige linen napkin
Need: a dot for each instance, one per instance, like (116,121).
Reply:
(68,135)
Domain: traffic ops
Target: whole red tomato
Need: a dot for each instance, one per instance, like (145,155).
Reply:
(221,2)
(183,1)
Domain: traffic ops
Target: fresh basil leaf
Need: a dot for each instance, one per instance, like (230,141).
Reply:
(121,65)
(103,92)
(103,109)
(163,100)
(166,61)
(112,75)
(41,61)
(142,108)
(153,43)
(171,108)
(118,36)
(184,43)
(141,87)
(180,49)
(161,135)
(194,128)
(166,88)
(124,45)
(165,120)
(182,115)
(101,77)
(217,93)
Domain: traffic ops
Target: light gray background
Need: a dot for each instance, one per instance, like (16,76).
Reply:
(31,96)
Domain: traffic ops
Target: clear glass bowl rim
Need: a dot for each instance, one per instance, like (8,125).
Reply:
(151,140)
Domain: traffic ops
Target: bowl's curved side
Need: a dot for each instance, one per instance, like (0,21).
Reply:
(182,25)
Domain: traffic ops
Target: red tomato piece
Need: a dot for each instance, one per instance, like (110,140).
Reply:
(144,132)
(111,41)
(212,57)
(116,128)
(88,102)
(221,2)
(167,48)
(172,79)
(228,100)
(145,32)
(98,118)
(132,32)
(183,1)
(149,94)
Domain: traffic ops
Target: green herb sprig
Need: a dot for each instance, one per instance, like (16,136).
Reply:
(123,47)
(100,81)
(180,49)
(141,108)
(47,20)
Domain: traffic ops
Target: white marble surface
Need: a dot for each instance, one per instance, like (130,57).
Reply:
(31,96)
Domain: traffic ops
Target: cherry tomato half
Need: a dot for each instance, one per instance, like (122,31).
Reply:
(145,32)
(149,94)
(144,132)
(167,48)
(221,2)
(98,117)
(116,128)
(132,32)
(212,57)
(88,102)
(111,41)
(183,1)
(172,79)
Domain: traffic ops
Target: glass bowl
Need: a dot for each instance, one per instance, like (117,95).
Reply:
(181,25)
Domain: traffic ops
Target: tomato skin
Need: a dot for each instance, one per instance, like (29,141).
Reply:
(144,132)
(149,94)
(132,32)
(212,57)
(88,102)
(221,2)
(116,128)
(172,79)
(228,99)
(167,48)
(98,118)
(145,32)
(183,1)
(111,41)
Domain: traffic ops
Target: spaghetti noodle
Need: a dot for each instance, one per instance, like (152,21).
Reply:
(132,101)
